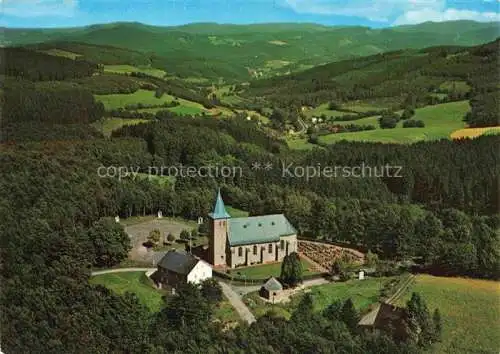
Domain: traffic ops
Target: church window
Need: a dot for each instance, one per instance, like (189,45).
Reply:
(255,250)
(240,252)
(282,244)
(270,248)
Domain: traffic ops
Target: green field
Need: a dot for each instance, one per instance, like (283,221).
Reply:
(115,101)
(469,309)
(138,284)
(455,86)
(299,144)
(236,213)
(323,110)
(107,125)
(127,69)
(373,120)
(192,109)
(146,97)
(440,121)
(134,282)
(361,106)
(267,270)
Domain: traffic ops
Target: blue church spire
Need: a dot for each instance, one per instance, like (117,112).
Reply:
(219,211)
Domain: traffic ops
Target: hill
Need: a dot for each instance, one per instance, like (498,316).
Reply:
(357,92)
(244,51)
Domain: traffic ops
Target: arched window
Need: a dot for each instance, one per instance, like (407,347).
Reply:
(240,252)
(255,250)
(282,244)
(270,248)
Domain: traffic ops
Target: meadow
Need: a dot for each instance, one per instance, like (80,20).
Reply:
(323,110)
(134,282)
(127,69)
(363,293)
(469,311)
(115,101)
(146,97)
(139,284)
(440,121)
(107,125)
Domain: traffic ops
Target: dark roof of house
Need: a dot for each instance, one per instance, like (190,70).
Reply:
(272,285)
(383,315)
(178,262)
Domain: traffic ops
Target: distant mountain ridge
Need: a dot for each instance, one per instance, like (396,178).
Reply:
(240,52)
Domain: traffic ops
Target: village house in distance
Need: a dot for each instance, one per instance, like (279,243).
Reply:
(251,240)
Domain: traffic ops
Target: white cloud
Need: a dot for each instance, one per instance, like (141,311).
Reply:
(412,17)
(37,8)
(391,11)
(375,10)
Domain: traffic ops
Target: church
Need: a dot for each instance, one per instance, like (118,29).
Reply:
(246,241)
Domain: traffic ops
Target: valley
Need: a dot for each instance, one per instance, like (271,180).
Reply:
(145,208)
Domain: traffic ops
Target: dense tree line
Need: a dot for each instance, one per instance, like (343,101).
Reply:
(48,102)
(36,66)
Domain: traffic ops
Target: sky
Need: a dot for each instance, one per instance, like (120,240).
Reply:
(373,13)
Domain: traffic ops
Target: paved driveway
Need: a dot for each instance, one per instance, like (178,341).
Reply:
(237,303)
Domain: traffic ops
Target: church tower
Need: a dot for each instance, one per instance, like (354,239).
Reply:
(219,229)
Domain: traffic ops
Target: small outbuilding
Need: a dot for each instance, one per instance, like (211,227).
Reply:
(271,289)
(385,317)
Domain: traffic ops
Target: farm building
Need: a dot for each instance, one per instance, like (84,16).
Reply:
(250,240)
(387,317)
(179,267)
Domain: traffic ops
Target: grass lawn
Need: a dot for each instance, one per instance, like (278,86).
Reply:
(299,144)
(187,110)
(134,282)
(107,125)
(138,284)
(469,310)
(440,121)
(127,69)
(268,270)
(362,292)
(236,213)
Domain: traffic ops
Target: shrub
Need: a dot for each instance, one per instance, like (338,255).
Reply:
(388,121)
(413,124)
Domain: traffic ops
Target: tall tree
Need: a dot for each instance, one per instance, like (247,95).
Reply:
(110,241)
